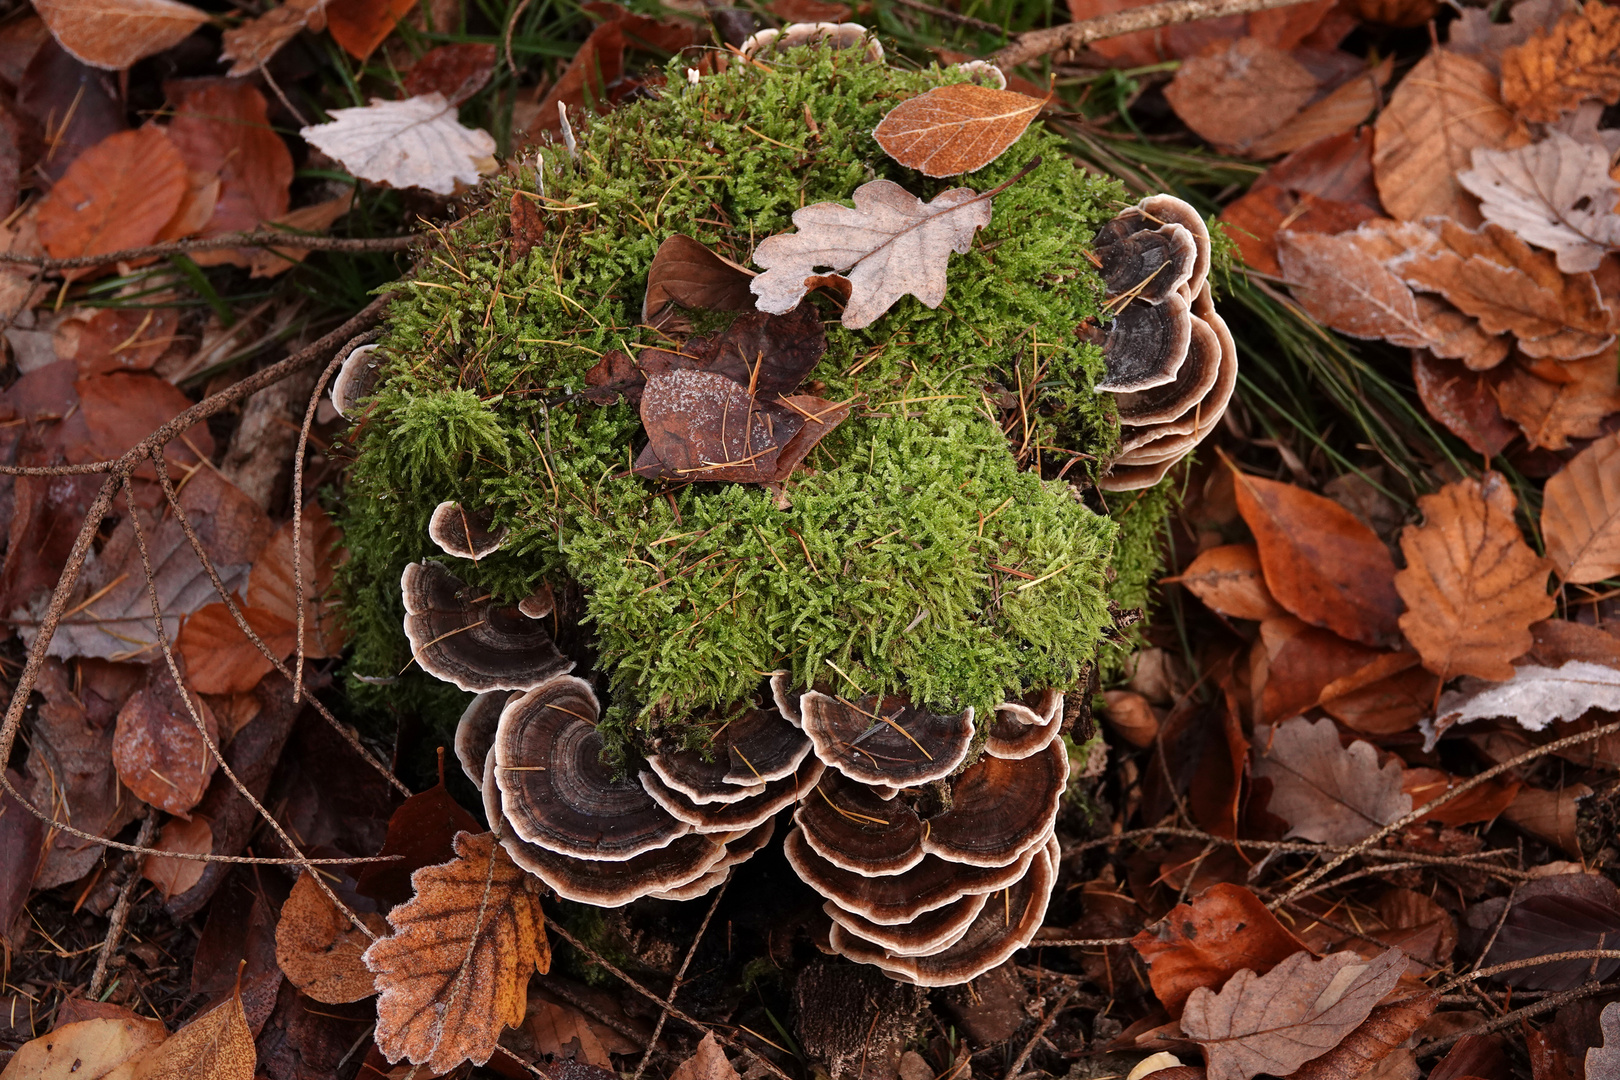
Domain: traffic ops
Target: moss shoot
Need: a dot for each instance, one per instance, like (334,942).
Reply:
(920,548)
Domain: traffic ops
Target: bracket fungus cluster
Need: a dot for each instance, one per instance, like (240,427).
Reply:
(1172,363)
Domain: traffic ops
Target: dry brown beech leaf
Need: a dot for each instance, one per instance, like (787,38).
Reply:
(454,973)
(318,948)
(1202,943)
(1580,514)
(1551,412)
(1472,586)
(1444,107)
(1463,401)
(114,34)
(1301,1009)
(118,194)
(1237,96)
(1557,70)
(686,273)
(890,245)
(1328,792)
(1321,562)
(1339,113)
(218,1045)
(87,1049)
(1228,579)
(955,129)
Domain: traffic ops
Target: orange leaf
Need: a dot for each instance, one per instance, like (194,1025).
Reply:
(118,194)
(158,751)
(1580,514)
(114,34)
(1462,400)
(222,127)
(1554,72)
(218,1045)
(1300,661)
(361,25)
(1221,931)
(175,876)
(271,585)
(1320,561)
(1552,413)
(955,129)
(1390,694)
(219,657)
(1229,581)
(1483,802)
(1239,95)
(1472,586)
(318,948)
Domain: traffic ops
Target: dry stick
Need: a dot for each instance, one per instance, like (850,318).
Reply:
(1075,942)
(1554,1001)
(1469,861)
(1444,797)
(1530,961)
(1040,1033)
(1070,36)
(202,727)
(606,965)
(675,988)
(242,624)
(120,911)
(214,243)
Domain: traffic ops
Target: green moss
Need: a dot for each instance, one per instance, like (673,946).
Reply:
(921,549)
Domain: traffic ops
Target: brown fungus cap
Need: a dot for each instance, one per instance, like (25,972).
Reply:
(466,534)
(475,732)
(1022,728)
(1144,345)
(1169,210)
(557,792)
(742,847)
(927,933)
(743,814)
(1000,808)
(1146,261)
(885,741)
(1193,381)
(898,898)
(850,826)
(747,752)
(787,700)
(356,379)
(1007,922)
(460,636)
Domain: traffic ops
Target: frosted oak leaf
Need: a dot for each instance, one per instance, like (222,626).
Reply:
(1555,194)
(889,245)
(417,142)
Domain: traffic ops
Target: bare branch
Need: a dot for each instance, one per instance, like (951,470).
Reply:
(1071,36)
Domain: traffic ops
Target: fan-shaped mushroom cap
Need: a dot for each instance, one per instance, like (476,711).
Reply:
(1145,344)
(838,35)
(1169,210)
(1170,442)
(888,741)
(356,379)
(927,933)
(1134,477)
(1022,728)
(1000,808)
(748,752)
(538,604)
(738,850)
(1142,261)
(1005,924)
(1194,380)
(787,702)
(475,732)
(463,533)
(848,825)
(463,638)
(984,73)
(743,814)
(898,898)
(555,790)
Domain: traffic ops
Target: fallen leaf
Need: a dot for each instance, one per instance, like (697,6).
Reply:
(1556,70)
(955,129)
(686,273)
(1552,413)
(176,876)
(1301,661)
(1482,802)
(218,1045)
(1321,563)
(1561,913)
(594,78)
(1378,1037)
(1556,194)
(417,142)
(87,1050)
(361,25)
(1339,113)
(219,657)
(422,830)
(1473,33)
(1276,1022)
(319,949)
(1131,716)
(1236,97)
(22,847)
(1228,579)
(1534,696)
(158,751)
(565,1033)
(889,246)
(527,228)
(1390,694)
(114,34)
(1472,586)
(80,105)
(1605,1060)
(1289,27)
(105,340)
(251,45)
(456,71)
(1444,107)
(1550,815)
(1559,641)
(708,1062)
(118,194)
(1203,943)
(1463,400)
(1580,514)
(1253,219)
(222,127)
(313,219)
(1327,792)
(271,587)
(454,971)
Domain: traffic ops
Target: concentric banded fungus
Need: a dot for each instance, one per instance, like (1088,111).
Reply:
(1145,344)
(837,35)
(855,830)
(1005,924)
(1000,808)
(748,752)
(1145,262)
(465,639)
(1022,728)
(1169,210)
(1193,381)
(787,701)
(739,849)
(743,814)
(885,741)
(463,533)
(475,732)
(927,933)
(555,790)
(356,379)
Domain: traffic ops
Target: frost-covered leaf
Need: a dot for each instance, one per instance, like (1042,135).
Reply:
(1326,792)
(1578,59)
(1555,194)
(1535,696)
(417,142)
(1605,1060)
(889,245)
(955,129)
(114,34)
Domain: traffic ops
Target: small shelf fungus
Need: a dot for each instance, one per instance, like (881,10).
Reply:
(749,457)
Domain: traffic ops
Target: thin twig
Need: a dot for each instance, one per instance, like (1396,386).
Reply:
(1530,961)
(1040,1033)
(1070,36)
(120,911)
(215,243)
(663,1013)
(1554,1001)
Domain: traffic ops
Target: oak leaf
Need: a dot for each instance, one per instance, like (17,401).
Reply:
(118,194)
(1556,70)
(158,751)
(453,973)
(1571,405)
(955,129)
(1204,942)
(1301,1009)
(1320,561)
(1555,194)
(1444,107)
(251,45)
(218,1045)
(1472,586)
(114,34)
(1605,1060)
(318,948)
(1328,792)
(890,245)
(1229,581)
(1580,514)
(417,142)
